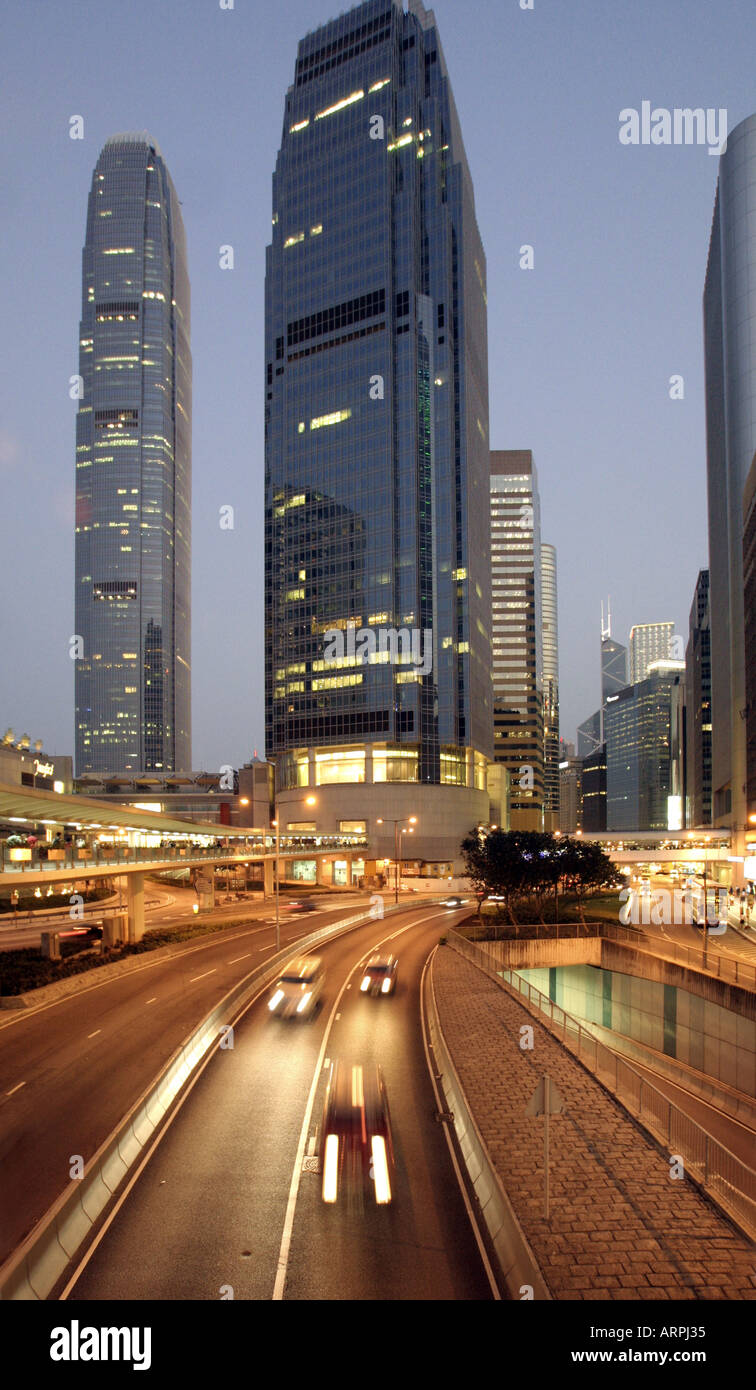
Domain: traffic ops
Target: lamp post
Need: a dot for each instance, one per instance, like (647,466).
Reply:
(400,820)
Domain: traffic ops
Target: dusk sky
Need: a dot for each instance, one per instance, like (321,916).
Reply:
(581,348)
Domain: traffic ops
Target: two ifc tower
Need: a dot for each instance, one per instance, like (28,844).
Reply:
(376,352)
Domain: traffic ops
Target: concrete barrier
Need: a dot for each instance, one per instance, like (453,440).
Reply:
(516,1261)
(42,1260)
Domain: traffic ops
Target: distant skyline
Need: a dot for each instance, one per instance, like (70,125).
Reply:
(581,348)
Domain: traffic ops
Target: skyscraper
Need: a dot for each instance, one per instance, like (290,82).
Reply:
(518,631)
(650,642)
(550,639)
(133,470)
(376,424)
(613,667)
(698,692)
(730,367)
(640,732)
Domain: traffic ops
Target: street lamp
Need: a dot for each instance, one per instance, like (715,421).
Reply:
(400,820)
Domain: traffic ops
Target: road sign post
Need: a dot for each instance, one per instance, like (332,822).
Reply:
(545,1100)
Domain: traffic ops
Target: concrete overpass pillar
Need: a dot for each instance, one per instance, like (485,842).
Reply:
(204,882)
(323,873)
(269,877)
(135,905)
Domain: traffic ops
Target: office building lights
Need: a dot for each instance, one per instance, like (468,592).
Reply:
(335,418)
(403,140)
(339,105)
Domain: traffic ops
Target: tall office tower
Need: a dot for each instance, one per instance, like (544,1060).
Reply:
(378,660)
(649,642)
(698,698)
(570,794)
(550,641)
(593,791)
(749,602)
(590,734)
(133,470)
(730,368)
(518,631)
(641,728)
(613,668)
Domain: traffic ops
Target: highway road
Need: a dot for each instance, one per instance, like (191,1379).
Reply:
(229,1200)
(72,1068)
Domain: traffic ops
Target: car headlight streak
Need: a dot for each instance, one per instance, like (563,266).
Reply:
(331,1168)
(380,1170)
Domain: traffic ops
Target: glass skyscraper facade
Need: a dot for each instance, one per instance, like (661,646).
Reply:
(133,470)
(698,699)
(613,667)
(550,638)
(649,642)
(376,420)
(638,727)
(730,365)
(517,625)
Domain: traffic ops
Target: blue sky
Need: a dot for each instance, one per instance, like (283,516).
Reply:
(581,348)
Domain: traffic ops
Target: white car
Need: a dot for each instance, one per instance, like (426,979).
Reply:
(298,988)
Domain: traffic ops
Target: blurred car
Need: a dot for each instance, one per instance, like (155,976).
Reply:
(379,976)
(301,905)
(75,939)
(453,901)
(356,1147)
(298,988)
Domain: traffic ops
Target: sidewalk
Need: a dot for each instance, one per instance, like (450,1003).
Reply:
(620,1226)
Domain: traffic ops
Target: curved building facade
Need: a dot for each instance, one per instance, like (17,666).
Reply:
(133,470)
(730,361)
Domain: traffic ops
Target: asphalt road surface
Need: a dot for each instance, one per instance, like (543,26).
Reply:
(71,1069)
(229,1198)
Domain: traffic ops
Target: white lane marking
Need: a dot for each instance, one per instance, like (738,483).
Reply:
(153,1145)
(15,1088)
(94,1035)
(283,1256)
(203,975)
(338,1016)
(152,1000)
(238,958)
(267,948)
(440,1103)
(22,1015)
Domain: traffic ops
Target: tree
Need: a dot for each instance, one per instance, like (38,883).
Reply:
(587,867)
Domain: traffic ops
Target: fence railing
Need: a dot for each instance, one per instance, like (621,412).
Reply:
(729,1181)
(708,959)
(44,857)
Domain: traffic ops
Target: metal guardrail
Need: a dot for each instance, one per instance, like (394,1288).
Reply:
(711,961)
(41,1261)
(729,1181)
(517,1263)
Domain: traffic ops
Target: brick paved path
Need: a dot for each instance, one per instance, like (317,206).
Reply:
(620,1226)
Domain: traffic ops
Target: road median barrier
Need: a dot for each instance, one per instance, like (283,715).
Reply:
(517,1264)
